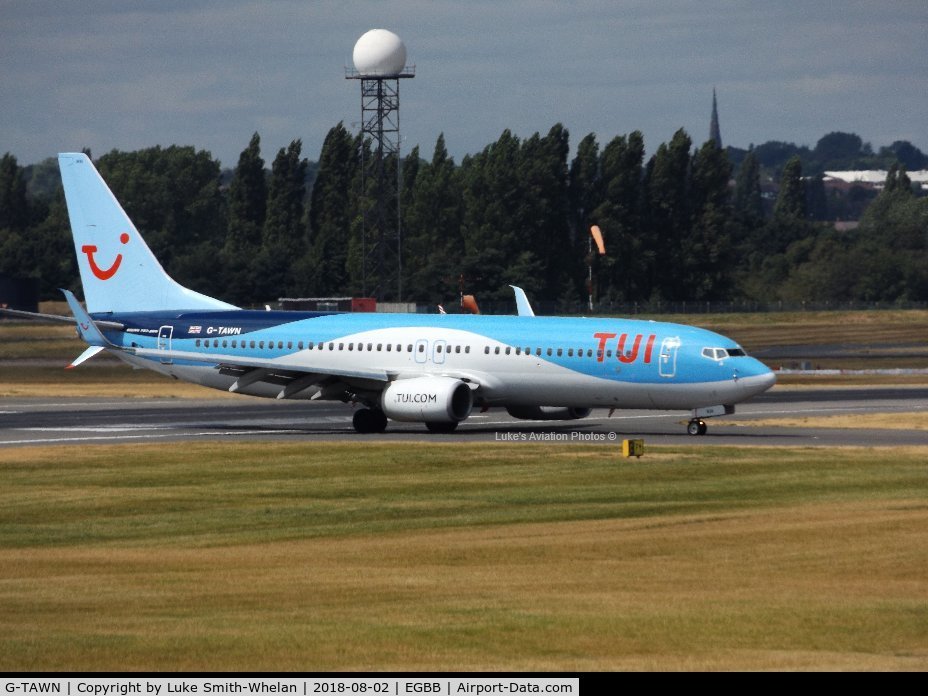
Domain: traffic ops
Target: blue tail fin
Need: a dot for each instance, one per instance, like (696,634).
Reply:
(118,271)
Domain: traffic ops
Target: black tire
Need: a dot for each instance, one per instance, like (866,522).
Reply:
(441,427)
(693,427)
(379,420)
(363,421)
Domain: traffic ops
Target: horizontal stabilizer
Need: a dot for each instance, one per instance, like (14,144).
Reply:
(84,357)
(85,326)
(36,315)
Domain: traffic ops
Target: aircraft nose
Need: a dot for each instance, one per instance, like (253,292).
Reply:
(767,379)
(762,379)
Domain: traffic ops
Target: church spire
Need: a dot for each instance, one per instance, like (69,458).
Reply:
(715,135)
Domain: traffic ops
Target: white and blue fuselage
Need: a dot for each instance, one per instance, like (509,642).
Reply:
(428,368)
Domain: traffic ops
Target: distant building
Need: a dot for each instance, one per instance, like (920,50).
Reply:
(870,179)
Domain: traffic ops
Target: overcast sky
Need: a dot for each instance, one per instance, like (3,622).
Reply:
(126,74)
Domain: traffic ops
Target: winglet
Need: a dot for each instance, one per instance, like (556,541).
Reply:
(522,304)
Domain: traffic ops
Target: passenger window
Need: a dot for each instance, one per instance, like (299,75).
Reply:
(421,347)
(570,352)
(508,350)
(389,347)
(467,349)
(369,346)
(289,345)
(518,350)
(252,344)
(437,348)
(549,352)
(560,352)
(198,343)
(486,350)
(225,343)
(496,350)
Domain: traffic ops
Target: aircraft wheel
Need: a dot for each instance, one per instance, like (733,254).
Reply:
(697,427)
(365,421)
(379,420)
(437,427)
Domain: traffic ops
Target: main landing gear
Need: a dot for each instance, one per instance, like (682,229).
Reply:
(697,426)
(369,420)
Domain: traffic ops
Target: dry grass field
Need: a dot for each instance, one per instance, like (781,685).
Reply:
(364,556)
(215,556)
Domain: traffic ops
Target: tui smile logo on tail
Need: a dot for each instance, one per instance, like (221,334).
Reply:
(104,273)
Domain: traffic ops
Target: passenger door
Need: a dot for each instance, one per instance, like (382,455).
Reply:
(164,342)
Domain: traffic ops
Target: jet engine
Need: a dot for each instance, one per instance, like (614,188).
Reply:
(427,400)
(547,412)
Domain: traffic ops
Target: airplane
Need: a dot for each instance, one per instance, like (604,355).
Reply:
(433,369)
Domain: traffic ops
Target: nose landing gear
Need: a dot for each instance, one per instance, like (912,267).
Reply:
(697,426)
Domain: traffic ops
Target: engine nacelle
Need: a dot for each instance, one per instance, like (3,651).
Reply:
(427,400)
(548,412)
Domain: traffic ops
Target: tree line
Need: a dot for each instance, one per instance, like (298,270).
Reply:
(688,223)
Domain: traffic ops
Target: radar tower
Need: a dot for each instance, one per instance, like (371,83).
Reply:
(380,63)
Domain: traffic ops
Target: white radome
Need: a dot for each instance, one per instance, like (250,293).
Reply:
(379,52)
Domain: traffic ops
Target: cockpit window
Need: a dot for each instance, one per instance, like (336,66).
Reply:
(722,353)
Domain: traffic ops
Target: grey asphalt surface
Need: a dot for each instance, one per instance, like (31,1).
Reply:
(88,421)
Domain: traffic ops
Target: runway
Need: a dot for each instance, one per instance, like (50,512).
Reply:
(76,422)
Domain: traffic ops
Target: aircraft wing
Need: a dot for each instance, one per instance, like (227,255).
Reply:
(275,365)
(294,378)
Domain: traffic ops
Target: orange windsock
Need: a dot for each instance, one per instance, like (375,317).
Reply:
(469,304)
(598,238)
